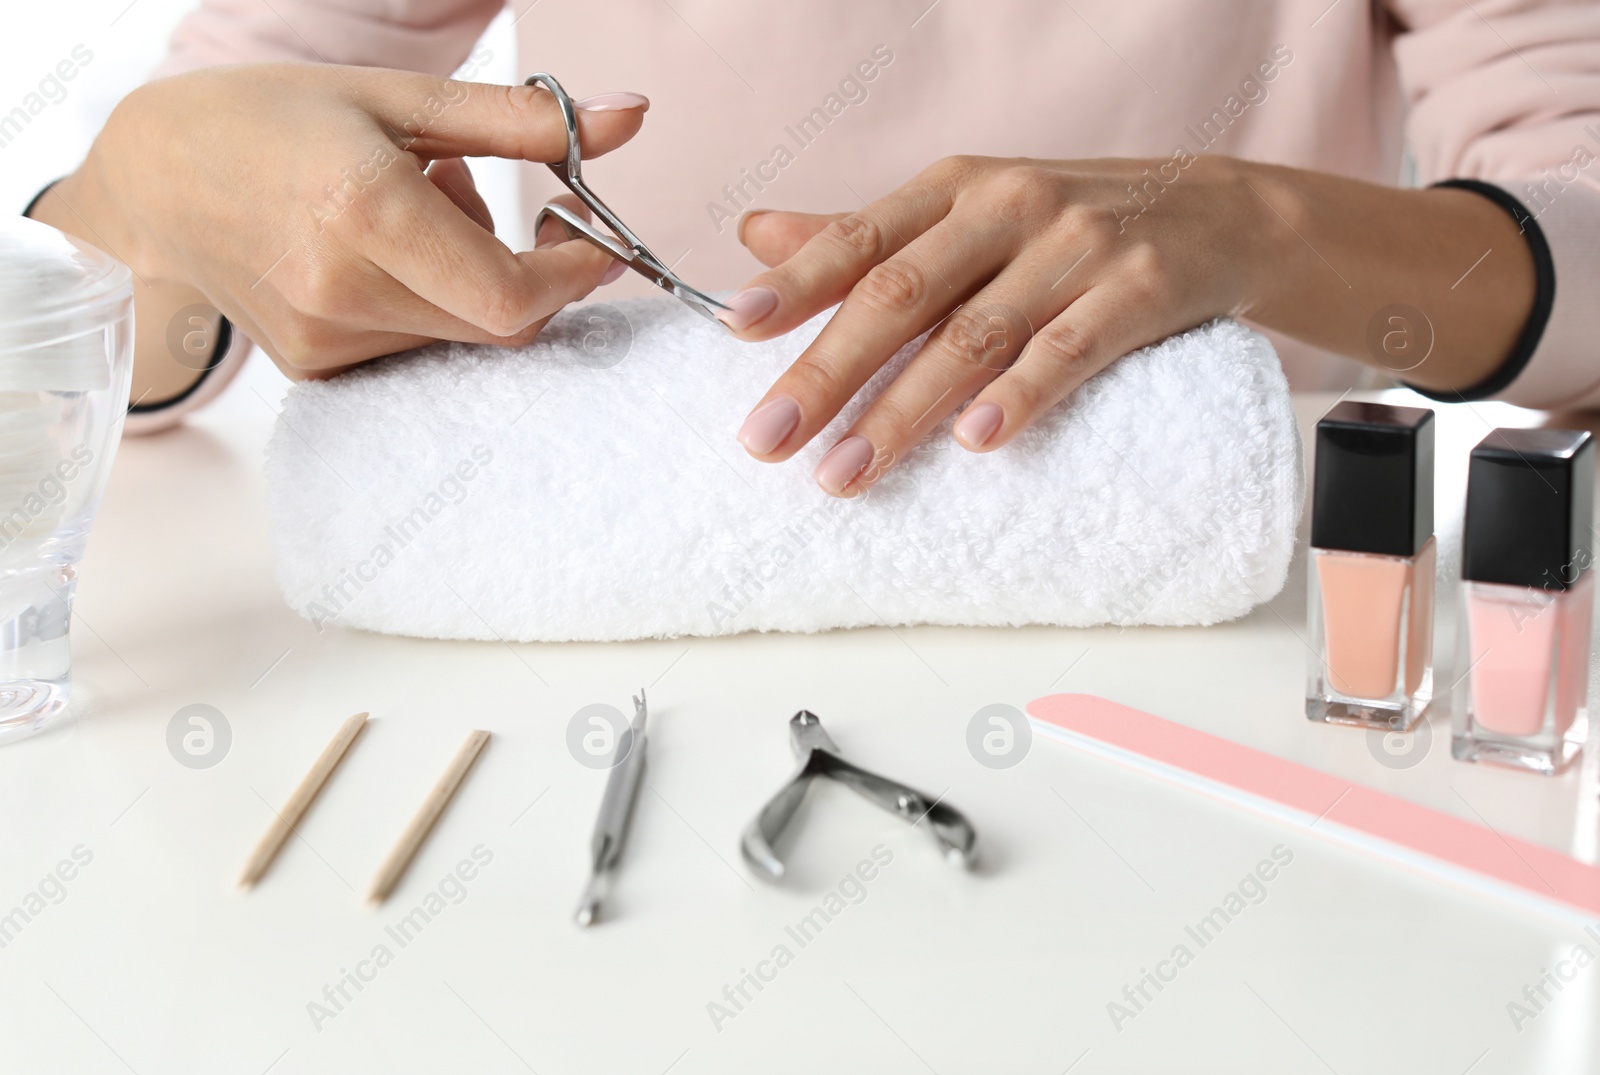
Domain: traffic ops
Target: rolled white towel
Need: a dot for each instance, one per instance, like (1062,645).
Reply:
(589,487)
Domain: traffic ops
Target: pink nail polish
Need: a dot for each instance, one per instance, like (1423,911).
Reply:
(979,425)
(843,464)
(749,306)
(613,274)
(1527,586)
(613,102)
(1372,567)
(769,425)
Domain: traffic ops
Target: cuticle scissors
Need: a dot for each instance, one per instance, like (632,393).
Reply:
(624,245)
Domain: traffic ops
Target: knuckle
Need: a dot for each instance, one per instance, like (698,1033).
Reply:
(979,339)
(320,290)
(1020,194)
(1098,225)
(814,379)
(893,417)
(527,106)
(953,171)
(1148,267)
(858,236)
(893,287)
(1064,349)
(505,307)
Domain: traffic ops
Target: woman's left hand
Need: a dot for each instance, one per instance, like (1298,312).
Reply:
(1037,274)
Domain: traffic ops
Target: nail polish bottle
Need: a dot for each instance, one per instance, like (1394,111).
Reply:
(1527,600)
(1372,567)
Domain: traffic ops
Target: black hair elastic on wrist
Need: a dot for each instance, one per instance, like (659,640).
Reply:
(219,351)
(1544,297)
(33,201)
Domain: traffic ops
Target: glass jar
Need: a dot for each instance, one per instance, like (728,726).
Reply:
(66,359)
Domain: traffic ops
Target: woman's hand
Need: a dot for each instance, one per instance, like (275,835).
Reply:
(298,199)
(1035,275)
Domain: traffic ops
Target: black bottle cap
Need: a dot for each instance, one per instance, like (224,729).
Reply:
(1530,504)
(1373,490)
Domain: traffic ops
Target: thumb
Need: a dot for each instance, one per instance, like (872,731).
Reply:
(437,118)
(774,236)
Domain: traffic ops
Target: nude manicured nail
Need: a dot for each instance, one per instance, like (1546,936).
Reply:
(748,306)
(769,425)
(613,102)
(843,464)
(979,425)
(614,273)
(745,218)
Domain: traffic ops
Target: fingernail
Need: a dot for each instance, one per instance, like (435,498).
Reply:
(979,425)
(613,102)
(744,218)
(748,307)
(613,274)
(769,425)
(843,463)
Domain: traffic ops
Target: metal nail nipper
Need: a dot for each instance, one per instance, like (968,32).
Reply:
(820,758)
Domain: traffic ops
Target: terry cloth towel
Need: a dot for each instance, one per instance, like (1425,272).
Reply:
(589,487)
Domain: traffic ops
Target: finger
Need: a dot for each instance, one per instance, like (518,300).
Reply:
(1101,326)
(824,270)
(412,231)
(895,302)
(308,346)
(554,232)
(974,345)
(288,349)
(377,302)
(775,236)
(435,117)
(454,178)
(365,314)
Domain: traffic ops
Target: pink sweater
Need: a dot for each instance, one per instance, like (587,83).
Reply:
(822,105)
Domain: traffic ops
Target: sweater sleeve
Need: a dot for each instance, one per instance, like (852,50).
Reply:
(433,36)
(1508,92)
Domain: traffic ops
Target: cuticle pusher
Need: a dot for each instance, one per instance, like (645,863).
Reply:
(616,813)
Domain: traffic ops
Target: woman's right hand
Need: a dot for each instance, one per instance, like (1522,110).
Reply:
(299,201)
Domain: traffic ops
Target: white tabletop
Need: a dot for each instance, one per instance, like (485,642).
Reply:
(152,962)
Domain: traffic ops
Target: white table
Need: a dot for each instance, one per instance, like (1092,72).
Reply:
(151,962)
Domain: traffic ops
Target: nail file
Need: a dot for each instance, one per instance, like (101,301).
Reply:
(1406,833)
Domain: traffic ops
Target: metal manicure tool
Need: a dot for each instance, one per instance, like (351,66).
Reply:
(624,245)
(616,813)
(819,757)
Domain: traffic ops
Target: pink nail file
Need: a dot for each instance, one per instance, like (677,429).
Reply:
(1403,832)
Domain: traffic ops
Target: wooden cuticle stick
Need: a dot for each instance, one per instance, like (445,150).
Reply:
(285,822)
(394,867)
